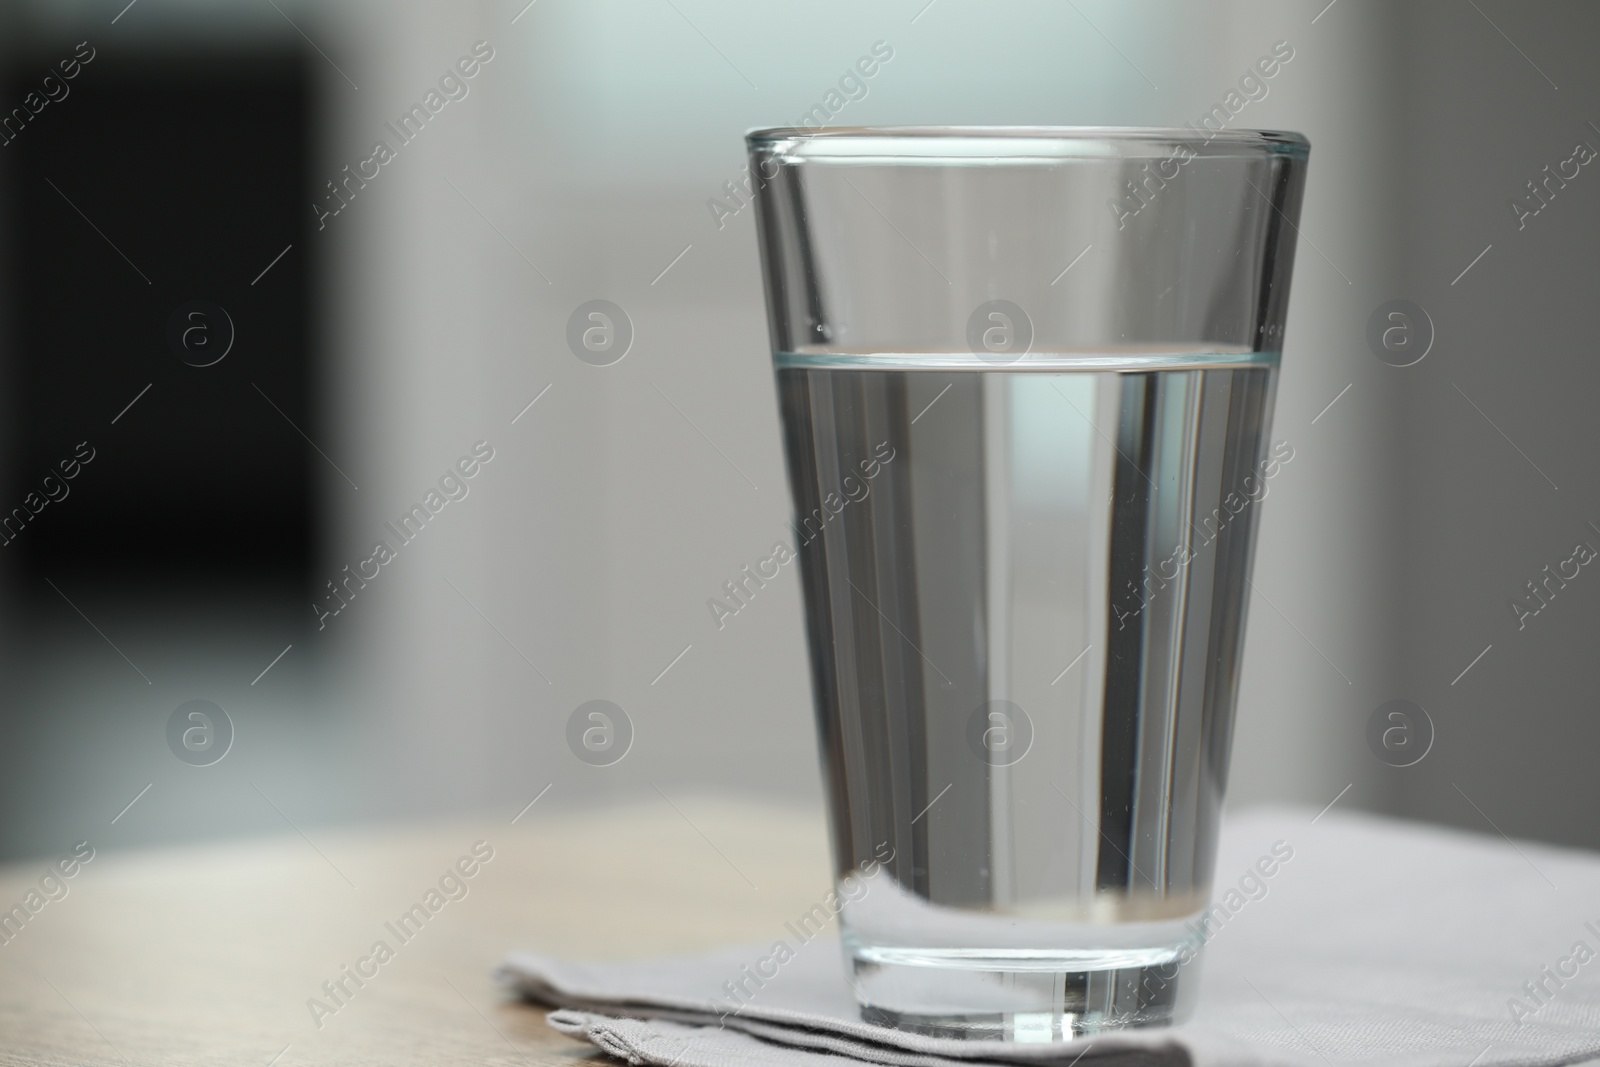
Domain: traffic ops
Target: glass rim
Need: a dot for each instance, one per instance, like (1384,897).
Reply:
(1021,142)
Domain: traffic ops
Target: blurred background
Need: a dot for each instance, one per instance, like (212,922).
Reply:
(238,346)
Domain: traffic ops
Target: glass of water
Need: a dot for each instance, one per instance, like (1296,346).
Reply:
(1025,377)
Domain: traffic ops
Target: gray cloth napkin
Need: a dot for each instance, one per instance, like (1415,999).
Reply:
(1376,942)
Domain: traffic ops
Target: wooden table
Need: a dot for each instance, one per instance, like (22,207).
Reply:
(208,954)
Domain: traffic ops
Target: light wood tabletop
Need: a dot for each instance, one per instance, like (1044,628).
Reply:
(217,954)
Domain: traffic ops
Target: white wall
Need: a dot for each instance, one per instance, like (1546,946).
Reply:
(1320,654)
(593,141)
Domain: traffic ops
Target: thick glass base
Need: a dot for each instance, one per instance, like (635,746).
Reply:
(1023,995)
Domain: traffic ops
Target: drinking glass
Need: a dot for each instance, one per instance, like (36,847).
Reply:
(1025,377)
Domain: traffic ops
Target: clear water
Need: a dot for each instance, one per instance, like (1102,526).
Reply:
(1025,603)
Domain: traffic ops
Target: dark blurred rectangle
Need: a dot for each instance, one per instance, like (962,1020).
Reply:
(142,184)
